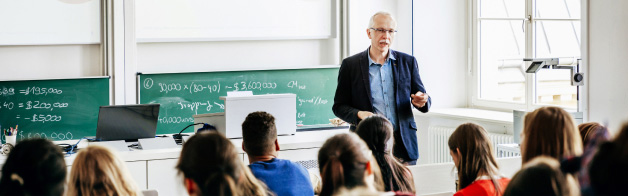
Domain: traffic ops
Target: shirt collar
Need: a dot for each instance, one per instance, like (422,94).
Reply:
(390,56)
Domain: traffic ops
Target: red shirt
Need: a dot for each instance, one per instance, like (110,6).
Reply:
(483,187)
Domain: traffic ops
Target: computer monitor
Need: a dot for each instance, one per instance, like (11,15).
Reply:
(127,122)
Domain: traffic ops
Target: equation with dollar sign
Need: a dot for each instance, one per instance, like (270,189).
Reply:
(183,95)
(56,109)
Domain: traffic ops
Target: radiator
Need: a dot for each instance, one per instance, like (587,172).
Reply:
(438,137)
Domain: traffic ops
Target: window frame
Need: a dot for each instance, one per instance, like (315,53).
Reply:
(530,79)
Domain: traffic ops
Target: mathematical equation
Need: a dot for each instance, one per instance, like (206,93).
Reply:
(32,105)
(182,98)
(30,91)
(216,87)
(53,136)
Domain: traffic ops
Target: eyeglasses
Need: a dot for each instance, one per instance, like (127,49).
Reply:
(392,31)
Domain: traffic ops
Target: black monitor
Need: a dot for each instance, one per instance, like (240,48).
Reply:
(127,122)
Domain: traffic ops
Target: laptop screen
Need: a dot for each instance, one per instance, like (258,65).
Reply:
(127,122)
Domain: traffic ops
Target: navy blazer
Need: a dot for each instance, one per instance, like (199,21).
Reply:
(353,93)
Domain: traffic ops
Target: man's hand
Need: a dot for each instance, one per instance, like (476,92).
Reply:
(419,99)
(363,114)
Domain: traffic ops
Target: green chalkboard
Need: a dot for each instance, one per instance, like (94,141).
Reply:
(58,109)
(182,95)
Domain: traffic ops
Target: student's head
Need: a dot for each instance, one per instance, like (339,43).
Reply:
(472,153)
(381,40)
(549,131)
(376,130)
(98,171)
(344,162)
(608,171)
(259,134)
(539,176)
(210,165)
(34,167)
(588,129)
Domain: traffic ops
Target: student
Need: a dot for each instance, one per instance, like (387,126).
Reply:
(472,152)
(540,176)
(376,131)
(588,129)
(346,168)
(593,140)
(210,165)
(34,167)
(608,170)
(549,131)
(98,171)
(259,141)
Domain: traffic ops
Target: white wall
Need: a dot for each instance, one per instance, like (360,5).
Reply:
(360,12)
(51,61)
(235,55)
(61,61)
(440,46)
(607,61)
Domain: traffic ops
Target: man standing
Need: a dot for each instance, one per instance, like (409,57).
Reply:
(383,81)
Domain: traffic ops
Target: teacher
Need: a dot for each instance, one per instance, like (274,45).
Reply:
(385,82)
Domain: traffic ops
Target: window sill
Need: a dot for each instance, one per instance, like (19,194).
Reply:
(468,114)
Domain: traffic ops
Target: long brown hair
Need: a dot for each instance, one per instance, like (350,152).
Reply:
(376,131)
(549,131)
(212,162)
(588,129)
(343,160)
(98,171)
(476,155)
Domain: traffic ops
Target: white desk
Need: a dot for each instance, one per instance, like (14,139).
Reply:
(155,169)
(440,178)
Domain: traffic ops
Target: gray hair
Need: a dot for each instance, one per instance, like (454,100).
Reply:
(372,21)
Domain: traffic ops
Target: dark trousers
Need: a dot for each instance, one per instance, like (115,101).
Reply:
(399,150)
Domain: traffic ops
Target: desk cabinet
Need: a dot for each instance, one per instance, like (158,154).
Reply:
(162,176)
(137,169)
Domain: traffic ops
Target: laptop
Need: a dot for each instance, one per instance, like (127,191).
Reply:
(127,122)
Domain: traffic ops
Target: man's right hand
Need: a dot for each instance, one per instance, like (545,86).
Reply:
(363,114)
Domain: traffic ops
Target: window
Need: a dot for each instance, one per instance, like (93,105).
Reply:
(505,32)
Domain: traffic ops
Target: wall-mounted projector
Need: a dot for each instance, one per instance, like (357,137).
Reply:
(572,64)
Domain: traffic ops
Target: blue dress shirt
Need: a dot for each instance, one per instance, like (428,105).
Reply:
(383,89)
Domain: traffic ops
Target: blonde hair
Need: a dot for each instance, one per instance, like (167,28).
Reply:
(550,131)
(476,155)
(98,171)
(249,185)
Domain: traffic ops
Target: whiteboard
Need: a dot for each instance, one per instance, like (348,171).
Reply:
(43,22)
(208,20)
